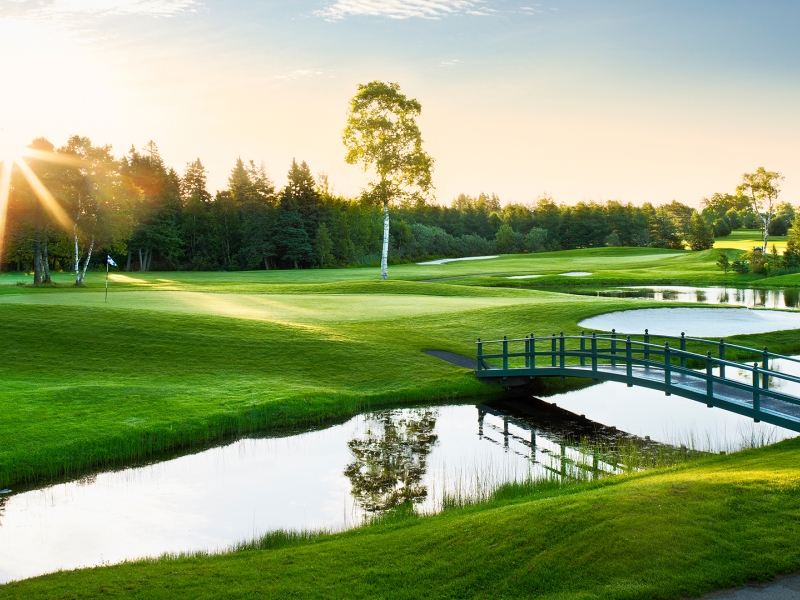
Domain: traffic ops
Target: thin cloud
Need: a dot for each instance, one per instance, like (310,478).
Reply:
(297,74)
(402,9)
(450,63)
(154,8)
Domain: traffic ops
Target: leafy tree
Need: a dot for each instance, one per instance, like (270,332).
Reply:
(323,246)
(721,227)
(791,257)
(382,134)
(762,189)
(741,266)
(536,239)
(724,263)
(700,235)
(504,239)
(733,218)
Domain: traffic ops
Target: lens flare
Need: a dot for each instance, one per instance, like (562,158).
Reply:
(5,184)
(50,204)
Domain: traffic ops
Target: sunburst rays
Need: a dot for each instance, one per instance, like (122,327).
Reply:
(48,201)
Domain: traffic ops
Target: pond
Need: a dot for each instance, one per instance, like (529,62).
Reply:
(334,477)
(695,322)
(779,298)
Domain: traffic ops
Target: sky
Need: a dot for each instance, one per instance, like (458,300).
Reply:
(637,101)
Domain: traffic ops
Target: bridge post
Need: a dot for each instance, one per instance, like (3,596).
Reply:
(709,376)
(480,355)
(562,349)
(533,351)
(583,349)
(505,353)
(613,348)
(646,346)
(527,352)
(629,360)
(667,369)
(756,395)
(553,352)
(722,357)
(683,349)
(765,365)
(594,351)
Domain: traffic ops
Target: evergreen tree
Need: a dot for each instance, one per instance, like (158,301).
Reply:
(291,239)
(700,234)
(504,239)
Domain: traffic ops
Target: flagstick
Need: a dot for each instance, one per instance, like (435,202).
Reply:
(106,280)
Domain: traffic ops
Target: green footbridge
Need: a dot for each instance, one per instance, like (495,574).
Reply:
(693,368)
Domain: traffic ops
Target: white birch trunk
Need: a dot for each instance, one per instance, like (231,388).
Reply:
(77,256)
(385,253)
(88,258)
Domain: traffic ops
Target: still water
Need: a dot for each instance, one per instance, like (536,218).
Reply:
(332,478)
(779,298)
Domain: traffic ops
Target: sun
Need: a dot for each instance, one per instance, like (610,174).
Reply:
(13,155)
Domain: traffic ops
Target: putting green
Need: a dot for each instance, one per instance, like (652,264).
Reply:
(277,308)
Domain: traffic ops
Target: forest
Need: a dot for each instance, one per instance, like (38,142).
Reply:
(147,216)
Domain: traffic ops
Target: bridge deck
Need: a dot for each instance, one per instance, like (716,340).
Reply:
(753,390)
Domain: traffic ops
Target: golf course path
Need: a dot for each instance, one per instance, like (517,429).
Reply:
(786,588)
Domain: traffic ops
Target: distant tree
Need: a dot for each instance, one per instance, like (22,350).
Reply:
(504,239)
(762,188)
(733,218)
(791,257)
(323,246)
(536,239)
(292,239)
(699,235)
(724,263)
(382,134)
(721,227)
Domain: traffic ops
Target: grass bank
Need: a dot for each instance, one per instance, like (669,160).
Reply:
(665,534)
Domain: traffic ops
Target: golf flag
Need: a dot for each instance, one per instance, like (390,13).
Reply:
(111,262)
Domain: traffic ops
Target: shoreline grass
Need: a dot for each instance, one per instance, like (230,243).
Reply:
(667,533)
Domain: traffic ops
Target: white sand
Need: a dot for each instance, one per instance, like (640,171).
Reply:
(442,261)
(695,322)
(575,274)
(524,276)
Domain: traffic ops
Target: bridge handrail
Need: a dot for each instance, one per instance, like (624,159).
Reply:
(621,336)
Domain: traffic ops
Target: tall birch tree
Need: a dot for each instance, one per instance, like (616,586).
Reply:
(762,189)
(382,135)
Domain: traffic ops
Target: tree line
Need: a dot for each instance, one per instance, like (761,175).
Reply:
(147,216)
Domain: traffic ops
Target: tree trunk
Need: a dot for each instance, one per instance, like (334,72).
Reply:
(77,257)
(149,258)
(128,266)
(86,264)
(767,221)
(45,264)
(266,263)
(37,253)
(295,263)
(141,261)
(385,252)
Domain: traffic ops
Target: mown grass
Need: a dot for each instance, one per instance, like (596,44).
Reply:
(665,534)
(168,364)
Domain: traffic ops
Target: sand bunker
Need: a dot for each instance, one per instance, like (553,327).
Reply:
(442,261)
(524,276)
(575,274)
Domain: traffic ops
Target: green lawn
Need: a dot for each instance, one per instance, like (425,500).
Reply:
(181,360)
(746,239)
(666,534)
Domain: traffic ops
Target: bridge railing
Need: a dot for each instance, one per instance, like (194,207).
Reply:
(644,361)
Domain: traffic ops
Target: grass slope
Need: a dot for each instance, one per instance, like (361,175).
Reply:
(660,535)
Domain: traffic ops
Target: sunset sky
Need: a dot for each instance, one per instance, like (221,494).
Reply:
(585,100)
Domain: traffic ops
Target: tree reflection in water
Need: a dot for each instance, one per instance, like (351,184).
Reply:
(389,461)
